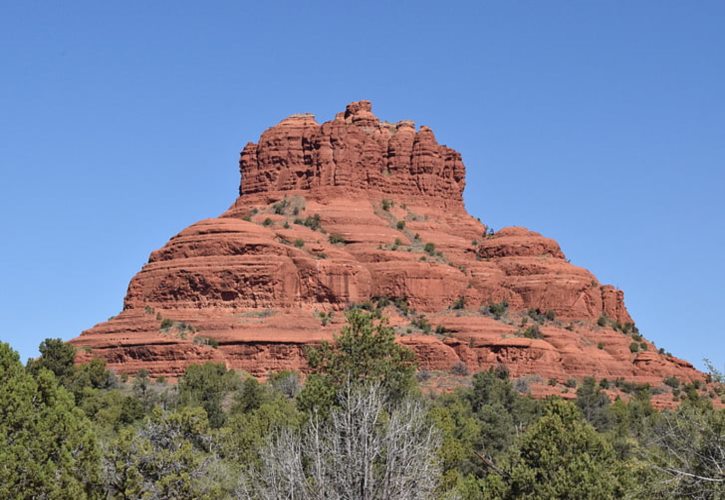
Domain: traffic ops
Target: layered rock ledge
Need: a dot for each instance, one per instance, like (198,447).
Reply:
(360,211)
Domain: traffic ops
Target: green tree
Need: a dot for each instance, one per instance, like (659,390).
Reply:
(249,427)
(56,356)
(496,402)
(47,446)
(206,385)
(171,455)
(364,352)
(561,456)
(87,379)
(460,433)
(250,396)
(594,404)
(111,409)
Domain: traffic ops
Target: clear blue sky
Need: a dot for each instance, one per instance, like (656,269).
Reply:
(600,124)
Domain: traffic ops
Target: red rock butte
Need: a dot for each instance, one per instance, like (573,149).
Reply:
(361,212)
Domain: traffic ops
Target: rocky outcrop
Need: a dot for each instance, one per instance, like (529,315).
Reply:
(358,210)
(355,151)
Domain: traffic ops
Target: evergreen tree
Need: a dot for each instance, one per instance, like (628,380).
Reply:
(171,455)
(47,446)
(56,356)
(206,385)
(594,404)
(561,456)
(365,352)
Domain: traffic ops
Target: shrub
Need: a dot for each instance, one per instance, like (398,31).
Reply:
(600,345)
(460,303)
(166,323)
(286,225)
(421,322)
(337,239)
(441,330)
(429,248)
(498,310)
(387,205)
(402,304)
(200,340)
(280,207)
(634,347)
(400,225)
(532,332)
(299,243)
(604,383)
(602,321)
(267,222)
(552,382)
(460,369)
(312,221)
(550,315)
(571,383)
(536,315)
(673,382)
(326,318)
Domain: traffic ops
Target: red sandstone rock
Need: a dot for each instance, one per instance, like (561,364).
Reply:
(256,278)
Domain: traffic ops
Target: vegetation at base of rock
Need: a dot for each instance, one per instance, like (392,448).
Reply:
(280,207)
(201,340)
(358,423)
(459,304)
(364,352)
(498,310)
(337,239)
(531,332)
(421,323)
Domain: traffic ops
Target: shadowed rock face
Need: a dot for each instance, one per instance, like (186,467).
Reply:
(356,210)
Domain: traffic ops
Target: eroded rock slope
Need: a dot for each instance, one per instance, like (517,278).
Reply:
(360,212)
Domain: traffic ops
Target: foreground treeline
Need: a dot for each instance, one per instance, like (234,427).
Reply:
(359,427)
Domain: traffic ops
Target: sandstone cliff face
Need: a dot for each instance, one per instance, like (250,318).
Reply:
(357,210)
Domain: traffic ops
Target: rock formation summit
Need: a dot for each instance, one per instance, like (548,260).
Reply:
(359,212)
